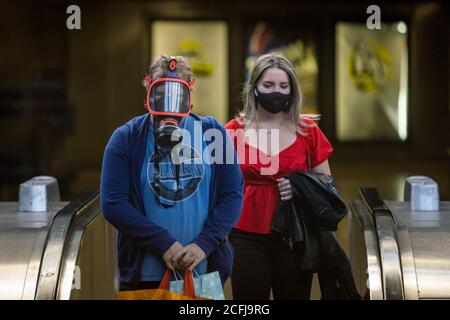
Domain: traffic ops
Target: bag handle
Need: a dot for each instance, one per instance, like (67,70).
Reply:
(177,275)
(188,287)
(164,284)
(196,273)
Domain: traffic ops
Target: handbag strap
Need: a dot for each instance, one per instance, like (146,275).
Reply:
(308,155)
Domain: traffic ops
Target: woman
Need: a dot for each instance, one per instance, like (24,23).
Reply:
(172,208)
(270,125)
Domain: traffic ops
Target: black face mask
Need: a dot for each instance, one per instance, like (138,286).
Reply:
(273,102)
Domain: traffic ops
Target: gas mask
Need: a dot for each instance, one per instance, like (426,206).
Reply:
(273,102)
(168,100)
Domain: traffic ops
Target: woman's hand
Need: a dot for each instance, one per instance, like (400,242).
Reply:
(285,188)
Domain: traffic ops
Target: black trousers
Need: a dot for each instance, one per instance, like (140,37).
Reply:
(263,262)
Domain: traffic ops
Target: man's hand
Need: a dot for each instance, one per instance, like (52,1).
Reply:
(170,253)
(188,257)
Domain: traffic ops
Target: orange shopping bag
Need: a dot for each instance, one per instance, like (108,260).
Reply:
(163,293)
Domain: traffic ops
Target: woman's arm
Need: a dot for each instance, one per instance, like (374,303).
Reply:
(324,168)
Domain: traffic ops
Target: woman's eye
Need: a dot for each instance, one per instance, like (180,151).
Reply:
(266,85)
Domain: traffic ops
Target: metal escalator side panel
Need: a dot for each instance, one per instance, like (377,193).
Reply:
(54,247)
(429,238)
(89,269)
(71,252)
(32,275)
(22,241)
(391,268)
(410,285)
(364,254)
(390,258)
(408,266)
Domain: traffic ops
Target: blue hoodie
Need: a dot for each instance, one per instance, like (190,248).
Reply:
(122,202)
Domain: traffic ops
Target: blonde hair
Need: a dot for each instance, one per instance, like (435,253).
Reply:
(264,62)
(160,65)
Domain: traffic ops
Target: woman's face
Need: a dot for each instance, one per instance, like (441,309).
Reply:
(274,80)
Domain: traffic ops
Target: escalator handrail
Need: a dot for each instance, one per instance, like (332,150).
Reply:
(54,246)
(391,266)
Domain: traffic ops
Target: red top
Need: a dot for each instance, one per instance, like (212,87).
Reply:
(261,193)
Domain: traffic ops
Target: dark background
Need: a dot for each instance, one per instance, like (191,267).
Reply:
(63,92)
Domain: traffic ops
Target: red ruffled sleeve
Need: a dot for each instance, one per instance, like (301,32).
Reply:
(232,124)
(319,147)
(232,128)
